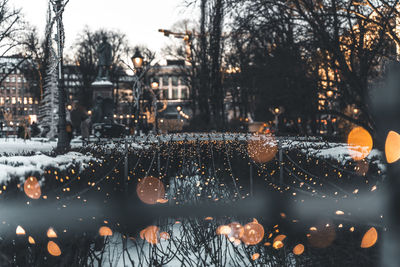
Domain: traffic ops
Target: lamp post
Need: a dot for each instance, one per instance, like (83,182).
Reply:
(137,60)
(277,111)
(154,86)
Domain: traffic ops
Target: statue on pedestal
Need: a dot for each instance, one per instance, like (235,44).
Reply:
(104,52)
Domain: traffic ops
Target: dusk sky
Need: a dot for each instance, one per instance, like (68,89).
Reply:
(138,19)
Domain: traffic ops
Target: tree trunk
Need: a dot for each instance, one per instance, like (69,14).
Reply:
(63,142)
(203,81)
(215,55)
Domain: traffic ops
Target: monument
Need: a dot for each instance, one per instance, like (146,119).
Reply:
(103,104)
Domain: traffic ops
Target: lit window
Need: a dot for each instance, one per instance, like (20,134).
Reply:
(31,100)
(13,100)
(25,100)
(1,100)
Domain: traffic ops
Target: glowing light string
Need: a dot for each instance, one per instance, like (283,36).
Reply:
(230,168)
(315,176)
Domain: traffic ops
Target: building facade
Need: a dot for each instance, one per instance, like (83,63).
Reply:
(173,94)
(18,102)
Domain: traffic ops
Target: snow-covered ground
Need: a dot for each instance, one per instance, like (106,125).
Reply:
(20,166)
(19,146)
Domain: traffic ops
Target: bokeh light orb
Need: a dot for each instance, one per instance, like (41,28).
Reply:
(224,230)
(53,249)
(150,189)
(31,240)
(255,256)
(279,238)
(51,233)
(277,245)
(151,234)
(298,249)
(322,237)
(392,147)
(32,188)
(369,238)
(105,231)
(253,233)
(20,230)
(262,151)
(236,232)
(360,143)
(164,235)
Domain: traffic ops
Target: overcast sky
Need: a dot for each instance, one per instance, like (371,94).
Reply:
(138,19)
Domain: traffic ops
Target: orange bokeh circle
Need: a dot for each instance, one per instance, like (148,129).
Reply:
(360,143)
(53,249)
(32,188)
(150,189)
(253,233)
(262,151)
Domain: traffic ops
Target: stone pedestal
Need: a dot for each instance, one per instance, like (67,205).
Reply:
(103,89)
(103,104)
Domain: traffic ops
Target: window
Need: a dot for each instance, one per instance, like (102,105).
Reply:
(13,100)
(19,79)
(7,79)
(184,81)
(174,81)
(19,100)
(164,94)
(13,79)
(31,100)
(165,81)
(174,93)
(1,100)
(25,100)
(13,88)
(184,93)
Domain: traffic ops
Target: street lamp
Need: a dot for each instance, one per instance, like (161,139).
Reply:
(137,59)
(329,93)
(138,62)
(277,111)
(154,86)
(69,107)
